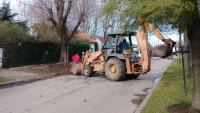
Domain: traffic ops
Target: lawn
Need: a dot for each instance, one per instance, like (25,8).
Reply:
(170,92)
(4,80)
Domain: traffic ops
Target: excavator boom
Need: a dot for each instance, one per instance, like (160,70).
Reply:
(161,51)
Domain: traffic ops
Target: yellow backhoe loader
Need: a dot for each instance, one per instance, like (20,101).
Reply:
(118,64)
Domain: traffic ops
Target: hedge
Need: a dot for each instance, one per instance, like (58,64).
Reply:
(29,53)
(34,52)
(77,47)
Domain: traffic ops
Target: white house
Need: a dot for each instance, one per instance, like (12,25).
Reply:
(100,41)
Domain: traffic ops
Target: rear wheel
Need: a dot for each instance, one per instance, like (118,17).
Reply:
(114,69)
(87,70)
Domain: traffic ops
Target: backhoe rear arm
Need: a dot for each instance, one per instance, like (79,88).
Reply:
(142,38)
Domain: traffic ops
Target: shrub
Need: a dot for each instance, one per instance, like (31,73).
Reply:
(77,47)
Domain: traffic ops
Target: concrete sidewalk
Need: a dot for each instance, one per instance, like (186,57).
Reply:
(20,77)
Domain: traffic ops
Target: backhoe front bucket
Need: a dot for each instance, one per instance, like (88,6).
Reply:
(77,69)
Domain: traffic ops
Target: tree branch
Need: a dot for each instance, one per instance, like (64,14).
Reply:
(67,11)
(77,25)
(51,17)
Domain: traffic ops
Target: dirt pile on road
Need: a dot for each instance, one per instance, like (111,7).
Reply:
(60,68)
(48,69)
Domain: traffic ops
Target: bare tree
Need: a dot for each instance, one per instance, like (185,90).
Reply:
(66,17)
(111,22)
(25,13)
(95,23)
(90,24)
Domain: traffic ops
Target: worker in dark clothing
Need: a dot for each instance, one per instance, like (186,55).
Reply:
(76,59)
(122,45)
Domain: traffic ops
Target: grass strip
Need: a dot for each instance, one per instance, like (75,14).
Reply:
(4,80)
(170,90)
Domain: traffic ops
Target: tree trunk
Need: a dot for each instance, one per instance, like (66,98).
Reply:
(67,50)
(194,37)
(62,32)
(190,62)
(63,53)
(190,69)
(189,55)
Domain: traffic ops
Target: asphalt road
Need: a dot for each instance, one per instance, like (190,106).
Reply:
(78,94)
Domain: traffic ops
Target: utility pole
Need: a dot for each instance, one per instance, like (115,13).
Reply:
(179,56)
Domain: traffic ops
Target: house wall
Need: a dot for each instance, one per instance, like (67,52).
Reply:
(99,44)
(92,47)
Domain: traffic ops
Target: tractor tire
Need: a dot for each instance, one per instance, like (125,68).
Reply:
(131,76)
(87,71)
(115,69)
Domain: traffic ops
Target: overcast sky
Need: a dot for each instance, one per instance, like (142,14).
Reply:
(152,39)
(13,3)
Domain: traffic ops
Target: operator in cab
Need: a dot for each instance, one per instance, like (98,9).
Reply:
(122,45)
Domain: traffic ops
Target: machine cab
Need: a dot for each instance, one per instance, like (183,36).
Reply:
(111,47)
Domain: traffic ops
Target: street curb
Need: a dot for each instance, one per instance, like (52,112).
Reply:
(141,106)
(18,83)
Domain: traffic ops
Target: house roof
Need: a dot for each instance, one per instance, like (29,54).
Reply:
(101,38)
(83,36)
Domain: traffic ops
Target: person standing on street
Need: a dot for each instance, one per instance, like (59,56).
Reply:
(76,59)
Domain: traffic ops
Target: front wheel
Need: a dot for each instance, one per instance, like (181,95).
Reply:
(115,69)
(87,70)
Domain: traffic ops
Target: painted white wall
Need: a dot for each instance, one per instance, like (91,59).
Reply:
(1,56)
(99,44)
(92,47)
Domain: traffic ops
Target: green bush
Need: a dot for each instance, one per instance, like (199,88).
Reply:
(12,31)
(28,53)
(22,49)
(77,47)
(21,53)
